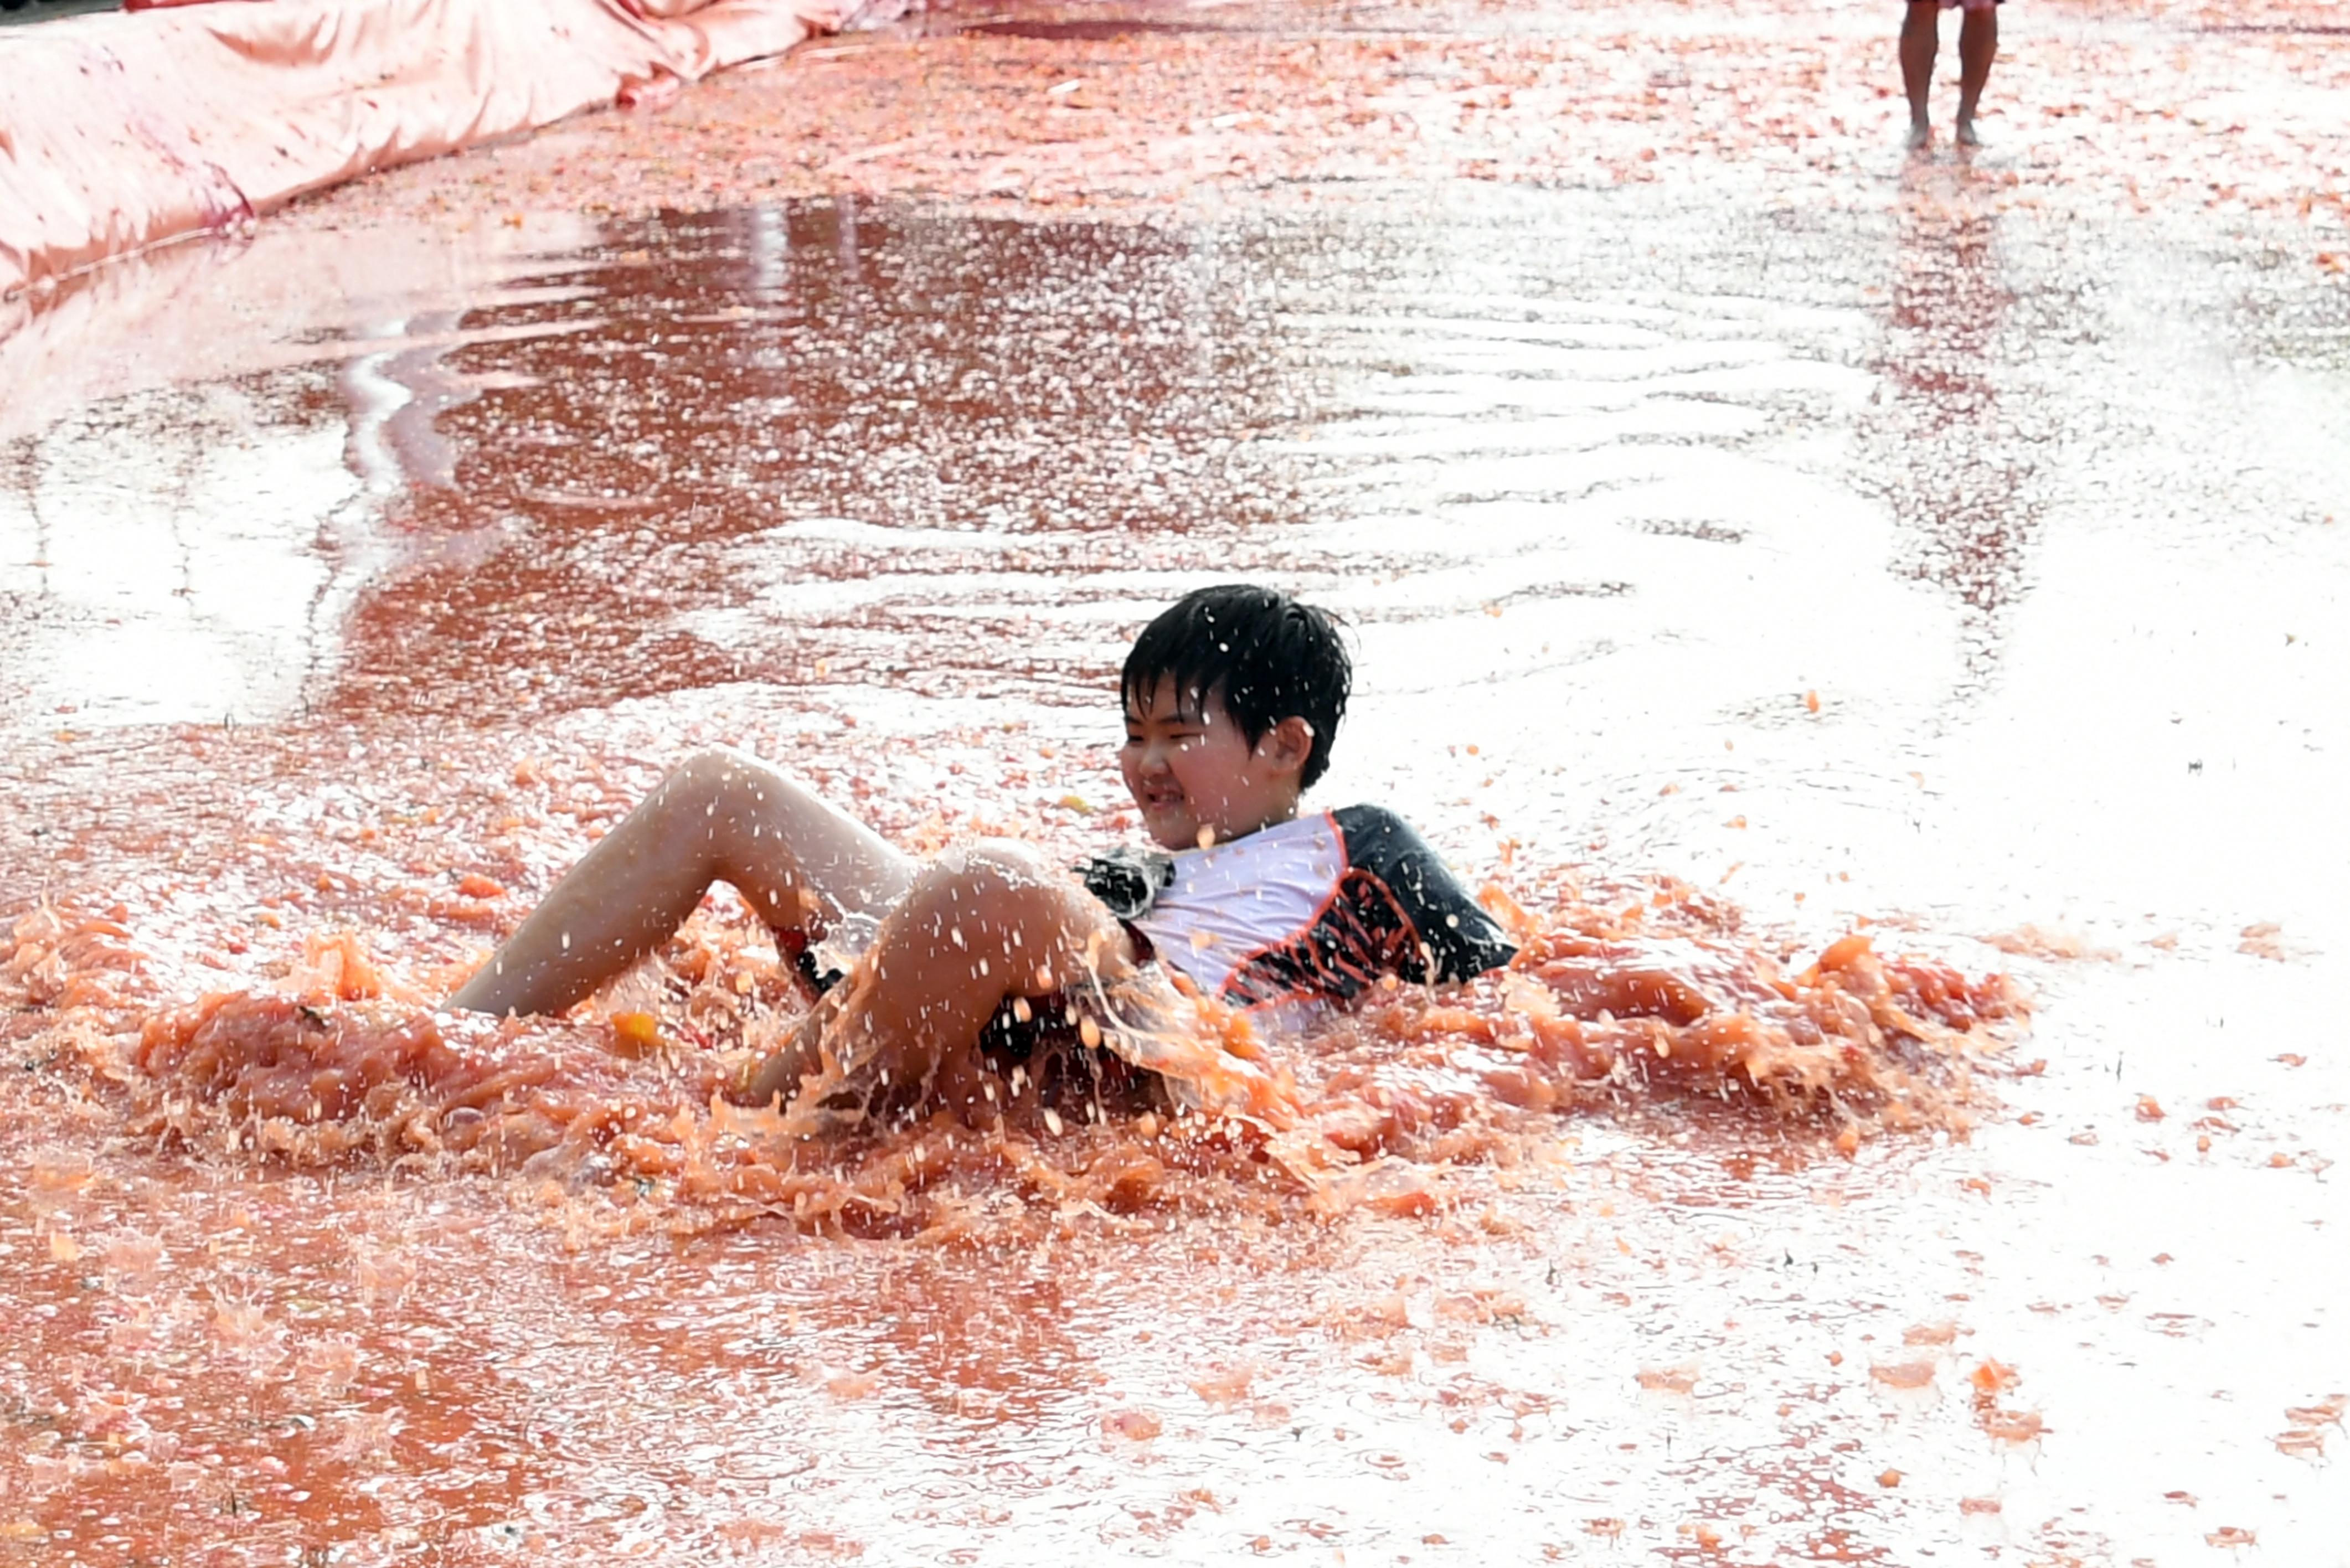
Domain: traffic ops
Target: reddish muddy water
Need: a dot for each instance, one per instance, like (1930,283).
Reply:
(1742,560)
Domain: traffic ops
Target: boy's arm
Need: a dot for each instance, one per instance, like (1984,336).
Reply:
(1457,939)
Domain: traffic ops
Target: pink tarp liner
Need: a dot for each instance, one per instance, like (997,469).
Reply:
(118,130)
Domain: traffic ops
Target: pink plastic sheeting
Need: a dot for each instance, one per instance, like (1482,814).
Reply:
(119,130)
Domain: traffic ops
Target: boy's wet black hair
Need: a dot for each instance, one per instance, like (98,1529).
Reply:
(1260,654)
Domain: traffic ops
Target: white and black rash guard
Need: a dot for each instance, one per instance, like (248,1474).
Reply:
(1310,910)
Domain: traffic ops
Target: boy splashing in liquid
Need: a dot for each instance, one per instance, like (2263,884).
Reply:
(1232,697)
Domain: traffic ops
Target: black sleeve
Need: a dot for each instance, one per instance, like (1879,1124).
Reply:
(1126,881)
(1456,940)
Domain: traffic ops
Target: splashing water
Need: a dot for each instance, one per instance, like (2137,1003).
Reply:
(1619,997)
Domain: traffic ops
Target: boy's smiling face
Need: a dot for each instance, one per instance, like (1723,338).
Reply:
(1195,776)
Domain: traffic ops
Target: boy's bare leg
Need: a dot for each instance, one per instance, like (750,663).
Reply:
(721,817)
(1920,29)
(984,923)
(1978,47)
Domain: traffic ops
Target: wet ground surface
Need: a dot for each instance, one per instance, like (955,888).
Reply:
(1951,546)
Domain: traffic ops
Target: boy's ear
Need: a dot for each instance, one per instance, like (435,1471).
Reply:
(1287,744)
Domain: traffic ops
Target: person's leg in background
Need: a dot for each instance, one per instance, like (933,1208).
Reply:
(1978,47)
(1920,28)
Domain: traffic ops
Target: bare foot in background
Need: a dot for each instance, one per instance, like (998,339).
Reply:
(1978,47)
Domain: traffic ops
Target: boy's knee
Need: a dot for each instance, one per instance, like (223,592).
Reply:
(698,776)
(714,765)
(993,870)
(996,884)
(714,772)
